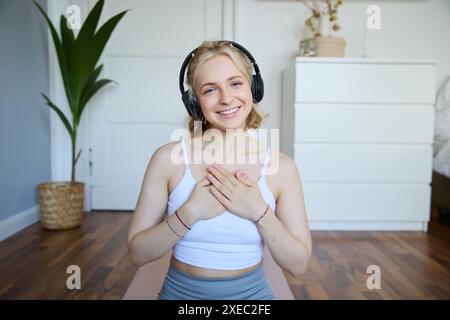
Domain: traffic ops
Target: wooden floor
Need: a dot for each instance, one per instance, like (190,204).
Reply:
(414,265)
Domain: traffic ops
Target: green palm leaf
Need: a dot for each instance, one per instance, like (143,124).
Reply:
(92,90)
(82,62)
(62,58)
(84,100)
(68,40)
(92,50)
(61,115)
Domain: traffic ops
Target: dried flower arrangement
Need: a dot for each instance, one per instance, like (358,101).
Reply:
(325,8)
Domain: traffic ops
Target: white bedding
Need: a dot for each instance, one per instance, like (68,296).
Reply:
(441,146)
(441,162)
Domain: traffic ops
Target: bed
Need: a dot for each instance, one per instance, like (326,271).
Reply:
(440,185)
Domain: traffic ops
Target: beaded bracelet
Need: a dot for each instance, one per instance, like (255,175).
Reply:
(167,221)
(261,216)
(184,224)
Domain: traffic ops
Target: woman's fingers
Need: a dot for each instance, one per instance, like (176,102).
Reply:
(243,177)
(204,182)
(219,186)
(223,176)
(220,197)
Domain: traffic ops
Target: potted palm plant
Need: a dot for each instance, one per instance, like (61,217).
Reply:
(61,203)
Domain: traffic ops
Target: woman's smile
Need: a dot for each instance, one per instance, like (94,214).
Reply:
(229,113)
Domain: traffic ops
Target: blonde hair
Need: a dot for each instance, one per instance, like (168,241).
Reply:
(206,51)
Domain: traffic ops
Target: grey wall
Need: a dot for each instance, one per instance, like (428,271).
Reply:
(24,120)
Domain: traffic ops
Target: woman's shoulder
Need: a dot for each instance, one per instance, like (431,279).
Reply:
(166,157)
(286,161)
(282,169)
(166,149)
(283,163)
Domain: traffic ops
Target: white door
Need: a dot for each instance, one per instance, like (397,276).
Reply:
(129,121)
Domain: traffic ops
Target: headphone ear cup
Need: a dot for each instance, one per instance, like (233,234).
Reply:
(192,106)
(186,102)
(197,111)
(257,88)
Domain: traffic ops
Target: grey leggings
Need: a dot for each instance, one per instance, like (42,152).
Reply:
(180,285)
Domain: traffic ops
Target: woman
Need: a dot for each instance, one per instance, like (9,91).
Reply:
(220,216)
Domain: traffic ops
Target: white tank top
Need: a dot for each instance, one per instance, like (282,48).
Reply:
(227,241)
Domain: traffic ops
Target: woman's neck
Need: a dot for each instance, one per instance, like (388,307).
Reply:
(231,146)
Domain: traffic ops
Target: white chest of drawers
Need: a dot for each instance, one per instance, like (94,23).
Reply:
(361,133)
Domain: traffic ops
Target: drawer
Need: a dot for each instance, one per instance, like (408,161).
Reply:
(364,123)
(367,202)
(363,163)
(364,82)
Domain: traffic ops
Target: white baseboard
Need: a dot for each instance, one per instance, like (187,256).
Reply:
(19,221)
(369,225)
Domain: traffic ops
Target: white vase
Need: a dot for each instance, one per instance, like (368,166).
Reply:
(325,25)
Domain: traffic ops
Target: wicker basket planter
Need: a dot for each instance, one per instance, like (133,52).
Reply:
(61,204)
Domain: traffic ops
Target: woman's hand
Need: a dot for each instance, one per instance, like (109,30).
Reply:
(237,193)
(201,204)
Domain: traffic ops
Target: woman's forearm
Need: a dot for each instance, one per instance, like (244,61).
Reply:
(153,243)
(289,252)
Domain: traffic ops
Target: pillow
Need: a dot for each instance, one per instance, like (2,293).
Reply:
(442,117)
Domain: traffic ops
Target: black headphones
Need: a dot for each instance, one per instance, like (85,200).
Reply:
(191,103)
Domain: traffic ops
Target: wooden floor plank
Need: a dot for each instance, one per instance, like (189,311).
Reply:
(414,265)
